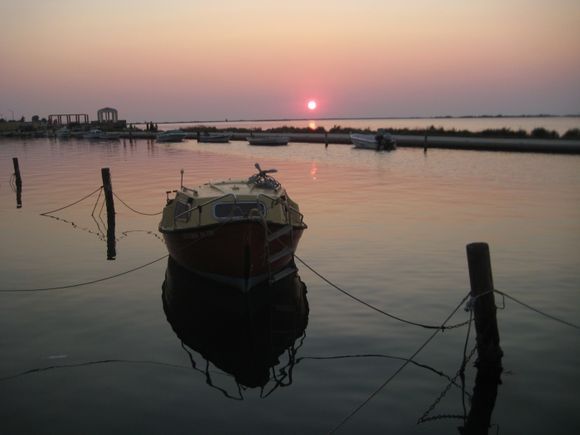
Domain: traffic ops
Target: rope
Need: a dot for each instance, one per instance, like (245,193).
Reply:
(74,203)
(111,276)
(133,210)
(45,289)
(549,316)
(392,316)
(400,369)
(91,363)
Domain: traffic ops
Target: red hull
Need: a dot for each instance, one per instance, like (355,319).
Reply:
(234,253)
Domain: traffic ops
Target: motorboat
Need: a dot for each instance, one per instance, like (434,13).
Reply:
(268,140)
(63,133)
(171,136)
(382,141)
(252,337)
(214,137)
(240,232)
(98,134)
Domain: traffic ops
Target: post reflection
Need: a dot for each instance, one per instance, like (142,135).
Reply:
(252,336)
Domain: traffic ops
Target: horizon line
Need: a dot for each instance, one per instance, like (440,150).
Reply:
(342,118)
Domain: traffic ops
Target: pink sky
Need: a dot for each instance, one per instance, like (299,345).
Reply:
(184,60)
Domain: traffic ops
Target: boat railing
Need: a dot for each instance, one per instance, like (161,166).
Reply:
(290,208)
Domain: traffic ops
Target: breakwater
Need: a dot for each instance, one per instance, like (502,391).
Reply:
(529,145)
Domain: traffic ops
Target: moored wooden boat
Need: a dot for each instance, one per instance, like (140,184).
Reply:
(238,232)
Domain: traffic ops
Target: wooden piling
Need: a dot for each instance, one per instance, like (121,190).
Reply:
(482,289)
(18,182)
(17,172)
(108,190)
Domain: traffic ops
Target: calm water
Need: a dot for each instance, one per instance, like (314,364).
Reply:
(391,228)
(559,124)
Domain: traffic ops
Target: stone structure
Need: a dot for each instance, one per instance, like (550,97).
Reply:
(67,118)
(107,114)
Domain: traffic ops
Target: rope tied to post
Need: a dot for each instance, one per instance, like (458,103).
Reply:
(441,327)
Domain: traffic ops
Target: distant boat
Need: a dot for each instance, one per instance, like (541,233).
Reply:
(97,134)
(214,137)
(268,140)
(63,133)
(379,142)
(171,136)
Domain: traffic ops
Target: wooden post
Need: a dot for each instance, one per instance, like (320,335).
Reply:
(488,349)
(18,181)
(425,144)
(17,172)
(108,188)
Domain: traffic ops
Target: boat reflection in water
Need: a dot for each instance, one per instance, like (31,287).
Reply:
(253,336)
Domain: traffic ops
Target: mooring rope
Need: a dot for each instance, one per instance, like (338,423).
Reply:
(136,211)
(74,203)
(392,316)
(400,369)
(95,281)
(80,284)
(549,316)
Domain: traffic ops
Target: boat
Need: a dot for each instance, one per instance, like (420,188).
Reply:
(379,142)
(171,136)
(63,133)
(98,134)
(268,140)
(240,232)
(214,137)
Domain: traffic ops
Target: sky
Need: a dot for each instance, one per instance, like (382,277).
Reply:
(186,60)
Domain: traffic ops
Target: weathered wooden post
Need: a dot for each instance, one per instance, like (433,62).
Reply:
(425,144)
(108,189)
(489,352)
(18,181)
(488,349)
(17,172)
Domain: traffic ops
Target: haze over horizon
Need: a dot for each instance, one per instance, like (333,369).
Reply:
(210,60)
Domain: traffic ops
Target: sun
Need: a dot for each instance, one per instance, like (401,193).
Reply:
(311,105)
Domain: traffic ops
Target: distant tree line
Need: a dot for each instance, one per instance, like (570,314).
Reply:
(536,133)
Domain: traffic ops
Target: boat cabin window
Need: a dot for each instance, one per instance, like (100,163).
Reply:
(239,210)
(182,211)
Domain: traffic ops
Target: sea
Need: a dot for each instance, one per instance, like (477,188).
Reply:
(130,343)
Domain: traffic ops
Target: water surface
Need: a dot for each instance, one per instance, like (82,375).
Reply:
(390,228)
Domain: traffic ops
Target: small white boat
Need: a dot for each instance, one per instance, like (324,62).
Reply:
(268,140)
(63,133)
(378,142)
(98,134)
(171,136)
(214,137)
